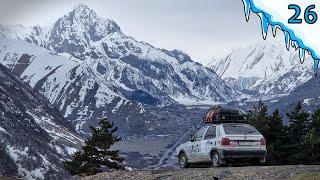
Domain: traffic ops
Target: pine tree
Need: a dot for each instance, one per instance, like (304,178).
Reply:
(313,138)
(259,118)
(276,138)
(298,143)
(96,154)
(299,122)
(299,127)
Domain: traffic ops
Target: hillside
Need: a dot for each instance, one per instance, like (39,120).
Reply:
(35,139)
(88,68)
(91,69)
(130,68)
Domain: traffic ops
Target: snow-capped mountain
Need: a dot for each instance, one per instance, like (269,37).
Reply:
(128,67)
(82,98)
(265,69)
(35,139)
(308,93)
(72,87)
(88,68)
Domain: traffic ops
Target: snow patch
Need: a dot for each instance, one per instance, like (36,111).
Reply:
(115,109)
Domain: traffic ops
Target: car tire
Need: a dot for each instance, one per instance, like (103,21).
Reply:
(258,162)
(183,160)
(215,158)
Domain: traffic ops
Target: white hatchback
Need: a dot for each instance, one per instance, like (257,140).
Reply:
(219,143)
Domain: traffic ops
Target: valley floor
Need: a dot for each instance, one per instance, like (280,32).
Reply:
(250,172)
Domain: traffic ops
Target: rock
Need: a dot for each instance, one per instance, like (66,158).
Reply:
(249,172)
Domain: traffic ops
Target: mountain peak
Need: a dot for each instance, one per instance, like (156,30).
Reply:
(82,8)
(83,13)
(74,32)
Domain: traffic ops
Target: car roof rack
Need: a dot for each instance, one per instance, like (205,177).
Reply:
(219,115)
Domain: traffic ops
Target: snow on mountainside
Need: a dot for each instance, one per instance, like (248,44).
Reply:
(266,69)
(88,68)
(308,93)
(35,139)
(78,94)
(72,87)
(132,69)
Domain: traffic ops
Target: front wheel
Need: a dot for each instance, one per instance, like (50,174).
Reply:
(183,160)
(215,159)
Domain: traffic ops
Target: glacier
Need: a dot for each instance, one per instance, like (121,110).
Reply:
(274,14)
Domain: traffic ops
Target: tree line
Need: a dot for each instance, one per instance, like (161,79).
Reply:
(298,142)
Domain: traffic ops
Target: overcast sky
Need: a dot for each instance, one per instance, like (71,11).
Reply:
(201,28)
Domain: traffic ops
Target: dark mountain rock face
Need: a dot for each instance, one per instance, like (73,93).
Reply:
(87,69)
(101,44)
(308,93)
(35,139)
(102,71)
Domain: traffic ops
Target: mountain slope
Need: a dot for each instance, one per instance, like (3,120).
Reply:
(88,68)
(35,139)
(129,67)
(73,88)
(265,69)
(83,98)
(308,93)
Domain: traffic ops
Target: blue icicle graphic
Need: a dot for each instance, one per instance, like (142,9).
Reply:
(316,66)
(247,9)
(264,26)
(302,54)
(290,39)
(287,39)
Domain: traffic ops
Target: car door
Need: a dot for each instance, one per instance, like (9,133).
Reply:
(208,143)
(195,145)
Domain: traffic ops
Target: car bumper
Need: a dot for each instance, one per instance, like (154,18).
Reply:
(237,154)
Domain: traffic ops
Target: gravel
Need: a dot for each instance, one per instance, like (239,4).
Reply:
(245,173)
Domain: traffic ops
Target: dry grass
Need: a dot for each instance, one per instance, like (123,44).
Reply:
(307,176)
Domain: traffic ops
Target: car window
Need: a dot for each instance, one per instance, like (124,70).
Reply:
(199,135)
(211,133)
(234,129)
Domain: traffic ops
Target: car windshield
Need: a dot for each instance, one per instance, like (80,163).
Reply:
(234,129)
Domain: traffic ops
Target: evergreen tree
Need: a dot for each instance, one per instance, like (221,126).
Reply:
(259,118)
(313,138)
(267,126)
(299,127)
(95,154)
(276,139)
(299,123)
(298,143)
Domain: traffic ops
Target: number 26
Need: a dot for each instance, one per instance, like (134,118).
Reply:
(310,16)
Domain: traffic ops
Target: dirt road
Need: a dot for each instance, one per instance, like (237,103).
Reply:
(250,173)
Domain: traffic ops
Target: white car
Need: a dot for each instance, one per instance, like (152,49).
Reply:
(219,143)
